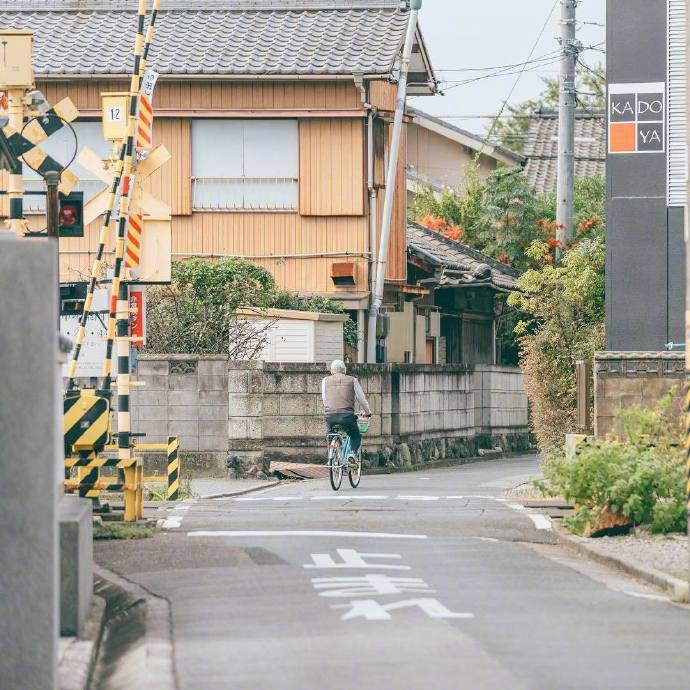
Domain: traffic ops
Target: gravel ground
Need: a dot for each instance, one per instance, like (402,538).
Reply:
(666,553)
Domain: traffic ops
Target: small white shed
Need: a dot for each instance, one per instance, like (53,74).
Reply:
(300,336)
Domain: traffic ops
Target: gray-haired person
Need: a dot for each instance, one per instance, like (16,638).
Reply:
(340,392)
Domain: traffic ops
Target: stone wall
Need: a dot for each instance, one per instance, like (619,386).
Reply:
(623,379)
(246,414)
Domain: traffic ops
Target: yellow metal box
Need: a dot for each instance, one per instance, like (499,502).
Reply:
(15,58)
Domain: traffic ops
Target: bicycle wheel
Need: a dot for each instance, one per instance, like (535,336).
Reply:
(335,463)
(355,473)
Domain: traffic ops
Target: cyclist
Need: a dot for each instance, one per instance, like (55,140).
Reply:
(339,393)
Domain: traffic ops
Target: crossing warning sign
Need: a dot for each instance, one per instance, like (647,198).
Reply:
(637,118)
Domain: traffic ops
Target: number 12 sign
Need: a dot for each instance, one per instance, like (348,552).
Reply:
(114,108)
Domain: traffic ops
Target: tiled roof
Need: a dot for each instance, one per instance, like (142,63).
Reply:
(541,149)
(458,263)
(261,37)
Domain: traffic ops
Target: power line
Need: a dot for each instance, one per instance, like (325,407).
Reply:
(498,67)
(462,82)
(529,57)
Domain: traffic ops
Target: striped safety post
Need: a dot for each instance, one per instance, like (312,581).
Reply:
(15,188)
(89,484)
(173,468)
(133,252)
(139,66)
(119,316)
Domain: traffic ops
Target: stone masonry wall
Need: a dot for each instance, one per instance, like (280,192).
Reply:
(244,414)
(624,379)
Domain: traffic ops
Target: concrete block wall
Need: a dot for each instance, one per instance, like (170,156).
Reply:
(184,396)
(625,379)
(246,414)
(504,403)
(434,401)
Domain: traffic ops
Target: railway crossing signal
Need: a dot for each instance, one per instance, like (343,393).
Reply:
(71,215)
(24,144)
(149,226)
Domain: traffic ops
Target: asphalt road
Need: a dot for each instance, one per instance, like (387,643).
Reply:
(412,581)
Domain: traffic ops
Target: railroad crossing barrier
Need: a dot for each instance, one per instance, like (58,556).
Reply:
(89,484)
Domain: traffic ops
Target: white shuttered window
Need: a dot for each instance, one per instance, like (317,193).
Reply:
(245,165)
(677,104)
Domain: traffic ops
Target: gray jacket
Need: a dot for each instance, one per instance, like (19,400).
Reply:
(339,393)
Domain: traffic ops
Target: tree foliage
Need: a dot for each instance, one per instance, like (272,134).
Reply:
(504,215)
(196,313)
(563,323)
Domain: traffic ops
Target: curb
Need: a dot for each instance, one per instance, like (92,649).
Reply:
(678,589)
(76,666)
(230,494)
(449,462)
(137,649)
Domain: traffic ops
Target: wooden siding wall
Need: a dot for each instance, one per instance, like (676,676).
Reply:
(172,182)
(332,225)
(383,95)
(396,269)
(221,95)
(331,167)
(267,238)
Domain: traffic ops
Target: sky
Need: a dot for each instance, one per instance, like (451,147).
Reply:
(469,34)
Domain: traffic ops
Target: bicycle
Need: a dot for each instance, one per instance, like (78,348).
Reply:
(339,452)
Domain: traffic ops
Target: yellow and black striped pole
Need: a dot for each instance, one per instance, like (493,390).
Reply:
(173,468)
(687,309)
(107,217)
(15,188)
(118,322)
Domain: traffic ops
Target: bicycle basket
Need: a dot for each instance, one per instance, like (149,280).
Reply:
(363,424)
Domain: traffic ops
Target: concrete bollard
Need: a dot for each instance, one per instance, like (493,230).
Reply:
(30,464)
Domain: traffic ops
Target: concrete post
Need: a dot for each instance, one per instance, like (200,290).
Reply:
(30,429)
(566,124)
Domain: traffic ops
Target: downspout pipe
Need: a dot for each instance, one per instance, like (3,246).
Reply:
(373,216)
(382,254)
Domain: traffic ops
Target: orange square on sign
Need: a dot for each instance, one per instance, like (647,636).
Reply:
(622,137)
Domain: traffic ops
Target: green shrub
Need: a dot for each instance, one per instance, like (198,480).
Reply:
(641,475)
(195,314)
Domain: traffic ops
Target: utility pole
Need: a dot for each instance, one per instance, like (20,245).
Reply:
(382,254)
(15,111)
(52,180)
(687,296)
(570,49)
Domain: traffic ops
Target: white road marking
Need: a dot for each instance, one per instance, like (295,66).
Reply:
(172,522)
(181,507)
(480,496)
(270,498)
(487,539)
(371,610)
(351,497)
(302,533)
(643,595)
(371,584)
(417,498)
(540,521)
(352,559)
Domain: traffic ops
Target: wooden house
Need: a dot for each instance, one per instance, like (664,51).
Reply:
(276,113)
